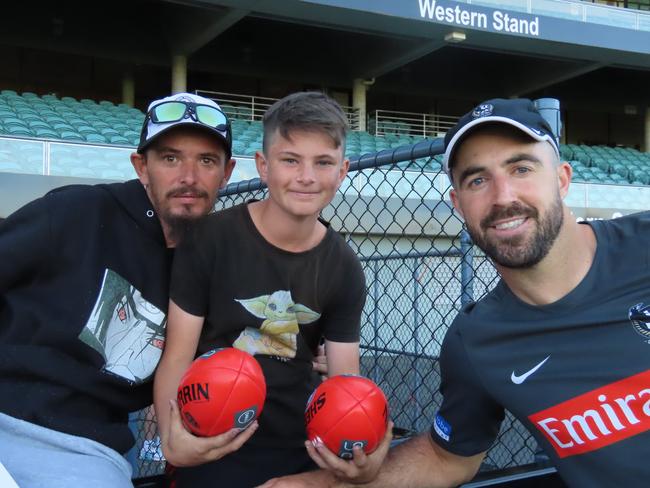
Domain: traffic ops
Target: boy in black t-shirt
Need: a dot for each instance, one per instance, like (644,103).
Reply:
(271,278)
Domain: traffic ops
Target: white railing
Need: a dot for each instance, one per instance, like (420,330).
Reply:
(575,10)
(251,107)
(383,122)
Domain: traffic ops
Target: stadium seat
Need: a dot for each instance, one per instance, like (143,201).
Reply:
(46,133)
(19,130)
(119,140)
(244,112)
(95,137)
(70,135)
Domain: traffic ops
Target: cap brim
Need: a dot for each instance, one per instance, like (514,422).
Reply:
(482,120)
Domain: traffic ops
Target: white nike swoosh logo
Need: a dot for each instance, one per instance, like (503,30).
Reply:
(518,380)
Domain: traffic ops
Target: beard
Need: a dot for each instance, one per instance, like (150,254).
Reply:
(179,224)
(520,251)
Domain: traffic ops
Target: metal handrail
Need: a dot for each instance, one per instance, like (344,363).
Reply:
(252,107)
(579,11)
(411,123)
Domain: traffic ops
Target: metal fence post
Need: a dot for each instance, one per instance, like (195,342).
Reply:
(375,321)
(417,379)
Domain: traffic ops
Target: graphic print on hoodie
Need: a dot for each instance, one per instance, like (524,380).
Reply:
(127,330)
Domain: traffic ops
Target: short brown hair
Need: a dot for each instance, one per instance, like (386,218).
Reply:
(312,111)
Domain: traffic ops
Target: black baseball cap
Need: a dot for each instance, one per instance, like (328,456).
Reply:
(517,112)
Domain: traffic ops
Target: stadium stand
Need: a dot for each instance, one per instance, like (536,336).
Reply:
(85,120)
(94,129)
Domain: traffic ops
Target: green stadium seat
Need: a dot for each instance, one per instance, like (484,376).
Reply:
(239,147)
(620,170)
(618,179)
(119,140)
(583,157)
(46,133)
(37,123)
(70,135)
(244,112)
(63,126)
(85,129)
(13,122)
(639,175)
(229,110)
(27,116)
(54,119)
(600,163)
(109,132)
(17,130)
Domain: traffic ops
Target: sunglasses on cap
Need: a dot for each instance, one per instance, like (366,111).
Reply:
(176,111)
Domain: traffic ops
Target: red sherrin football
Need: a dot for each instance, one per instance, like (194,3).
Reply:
(345,411)
(221,389)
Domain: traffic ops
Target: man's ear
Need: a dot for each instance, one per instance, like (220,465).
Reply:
(564,174)
(227,172)
(454,200)
(139,162)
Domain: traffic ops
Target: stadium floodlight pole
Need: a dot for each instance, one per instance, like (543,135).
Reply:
(549,108)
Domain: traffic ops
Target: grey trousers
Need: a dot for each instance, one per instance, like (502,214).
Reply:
(38,457)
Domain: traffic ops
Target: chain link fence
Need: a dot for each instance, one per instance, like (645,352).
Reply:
(420,268)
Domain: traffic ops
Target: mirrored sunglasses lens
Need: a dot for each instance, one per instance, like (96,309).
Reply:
(210,116)
(169,112)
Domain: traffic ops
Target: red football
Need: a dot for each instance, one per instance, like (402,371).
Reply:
(221,389)
(345,411)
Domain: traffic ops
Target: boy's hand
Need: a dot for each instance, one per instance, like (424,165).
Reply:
(181,448)
(363,468)
(320,361)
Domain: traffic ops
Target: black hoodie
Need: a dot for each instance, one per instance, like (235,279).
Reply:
(84,278)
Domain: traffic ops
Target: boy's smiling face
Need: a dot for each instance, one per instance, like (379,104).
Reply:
(303,171)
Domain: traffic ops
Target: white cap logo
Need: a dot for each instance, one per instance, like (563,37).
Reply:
(483,110)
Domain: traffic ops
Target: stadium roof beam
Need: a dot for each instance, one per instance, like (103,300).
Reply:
(549,79)
(188,30)
(387,63)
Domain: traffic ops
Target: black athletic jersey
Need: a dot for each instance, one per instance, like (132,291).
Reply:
(575,372)
(271,303)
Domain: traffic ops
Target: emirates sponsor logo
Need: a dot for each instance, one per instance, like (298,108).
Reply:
(597,418)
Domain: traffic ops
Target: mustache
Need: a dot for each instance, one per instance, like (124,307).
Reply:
(187,191)
(517,209)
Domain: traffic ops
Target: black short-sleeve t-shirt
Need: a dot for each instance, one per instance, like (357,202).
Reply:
(271,303)
(576,372)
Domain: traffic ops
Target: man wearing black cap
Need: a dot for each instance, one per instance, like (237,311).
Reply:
(84,280)
(562,342)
